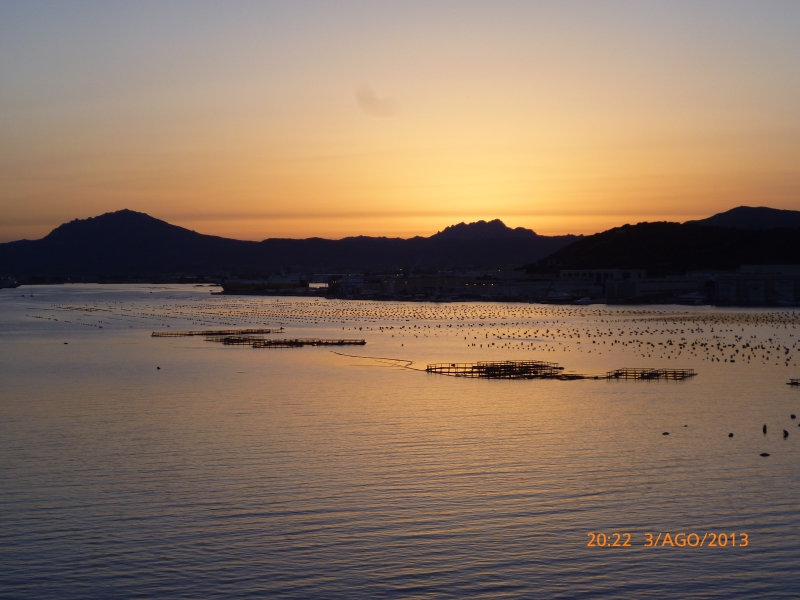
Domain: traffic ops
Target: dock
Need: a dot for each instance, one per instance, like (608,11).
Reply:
(216,332)
(650,374)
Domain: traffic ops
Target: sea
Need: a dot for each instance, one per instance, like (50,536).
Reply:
(134,466)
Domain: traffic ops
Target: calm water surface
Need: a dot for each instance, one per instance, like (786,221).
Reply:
(302,473)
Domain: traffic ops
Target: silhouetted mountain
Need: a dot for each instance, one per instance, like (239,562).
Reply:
(752,217)
(482,230)
(131,244)
(674,248)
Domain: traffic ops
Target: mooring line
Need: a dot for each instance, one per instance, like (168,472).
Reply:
(383,359)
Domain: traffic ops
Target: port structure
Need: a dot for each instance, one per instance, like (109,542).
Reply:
(218,332)
(649,374)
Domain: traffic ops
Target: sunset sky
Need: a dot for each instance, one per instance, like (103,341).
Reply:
(297,119)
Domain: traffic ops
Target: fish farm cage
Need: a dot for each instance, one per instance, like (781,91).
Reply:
(305,342)
(508,369)
(218,332)
(235,340)
(254,339)
(648,374)
(535,369)
(259,342)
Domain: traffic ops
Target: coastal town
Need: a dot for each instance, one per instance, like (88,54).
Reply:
(750,285)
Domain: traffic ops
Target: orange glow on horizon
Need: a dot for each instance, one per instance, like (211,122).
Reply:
(333,122)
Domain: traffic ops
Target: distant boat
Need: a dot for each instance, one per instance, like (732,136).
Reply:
(583,301)
(8,282)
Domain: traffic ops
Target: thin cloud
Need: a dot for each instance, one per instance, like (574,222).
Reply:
(371,104)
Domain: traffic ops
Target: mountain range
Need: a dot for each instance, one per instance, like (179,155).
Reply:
(725,241)
(128,244)
(132,244)
(752,217)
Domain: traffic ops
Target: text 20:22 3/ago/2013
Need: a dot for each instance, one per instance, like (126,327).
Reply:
(666,540)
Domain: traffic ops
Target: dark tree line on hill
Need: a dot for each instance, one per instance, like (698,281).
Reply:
(674,249)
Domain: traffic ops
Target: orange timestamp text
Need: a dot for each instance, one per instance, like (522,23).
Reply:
(666,540)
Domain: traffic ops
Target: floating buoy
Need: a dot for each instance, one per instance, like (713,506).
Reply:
(765,454)
(785,434)
(794,416)
(158,368)
(665,433)
(730,435)
(764,429)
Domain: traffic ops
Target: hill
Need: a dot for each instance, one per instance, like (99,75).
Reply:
(673,249)
(750,217)
(127,244)
(483,230)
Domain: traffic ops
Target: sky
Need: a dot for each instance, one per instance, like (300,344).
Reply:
(300,119)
